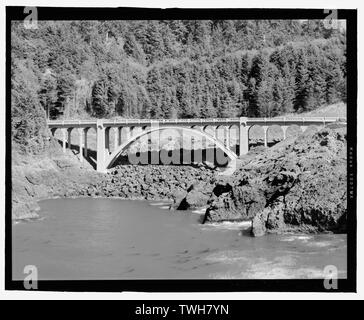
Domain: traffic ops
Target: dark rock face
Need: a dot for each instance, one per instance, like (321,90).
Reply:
(156,182)
(234,200)
(197,196)
(297,185)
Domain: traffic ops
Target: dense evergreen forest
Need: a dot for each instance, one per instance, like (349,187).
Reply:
(169,69)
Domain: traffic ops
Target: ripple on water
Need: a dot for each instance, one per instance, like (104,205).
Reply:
(159,203)
(200,210)
(311,241)
(301,238)
(227,225)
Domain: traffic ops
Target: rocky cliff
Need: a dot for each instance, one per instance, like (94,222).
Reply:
(299,184)
(46,175)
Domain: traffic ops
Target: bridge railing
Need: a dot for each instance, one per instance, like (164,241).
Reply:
(54,123)
(278,119)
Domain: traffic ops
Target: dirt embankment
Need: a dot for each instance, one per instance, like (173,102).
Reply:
(299,184)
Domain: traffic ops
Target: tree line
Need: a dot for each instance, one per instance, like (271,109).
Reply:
(171,69)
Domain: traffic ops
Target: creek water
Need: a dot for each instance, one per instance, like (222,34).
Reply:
(123,239)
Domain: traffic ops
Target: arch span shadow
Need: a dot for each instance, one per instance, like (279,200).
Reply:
(212,157)
(218,145)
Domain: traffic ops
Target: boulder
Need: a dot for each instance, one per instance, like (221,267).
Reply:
(196,197)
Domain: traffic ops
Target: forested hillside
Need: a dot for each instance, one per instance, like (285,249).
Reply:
(168,69)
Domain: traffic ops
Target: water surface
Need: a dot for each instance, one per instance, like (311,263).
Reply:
(121,239)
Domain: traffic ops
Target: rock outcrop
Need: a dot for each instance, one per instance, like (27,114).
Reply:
(153,182)
(297,185)
(197,195)
(52,174)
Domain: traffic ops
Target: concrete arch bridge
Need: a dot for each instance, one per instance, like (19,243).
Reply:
(134,129)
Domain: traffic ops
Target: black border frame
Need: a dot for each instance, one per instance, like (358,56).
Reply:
(122,13)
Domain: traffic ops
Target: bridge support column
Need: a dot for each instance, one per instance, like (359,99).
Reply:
(284,128)
(265,128)
(80,133)
(155,143)
(101,156)
(69,130)
(107,140)
(116,138)
(85,143)
(64,139)
(243,137)
(119,135)
(227,137)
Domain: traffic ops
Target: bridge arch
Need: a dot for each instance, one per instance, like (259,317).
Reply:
(113,157)
(256,132)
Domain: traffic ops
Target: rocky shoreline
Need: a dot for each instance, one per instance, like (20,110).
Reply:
(58,175)
(298,185)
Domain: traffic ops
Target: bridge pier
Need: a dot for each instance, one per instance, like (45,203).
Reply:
(243,137)
(107,140)
(64,130)
(85,142)
(69,130)
(101,154)
(265,128)
(227,136)
(80,133)
(154,144)
(119,136)
(116,138)
(284,128)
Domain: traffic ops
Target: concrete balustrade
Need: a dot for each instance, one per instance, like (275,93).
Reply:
(128,130)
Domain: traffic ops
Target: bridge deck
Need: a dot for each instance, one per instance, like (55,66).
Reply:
(303,121)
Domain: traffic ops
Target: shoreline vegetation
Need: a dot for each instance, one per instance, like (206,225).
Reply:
(298,185)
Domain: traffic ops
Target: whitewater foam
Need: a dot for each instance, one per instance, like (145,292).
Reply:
(227,225)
